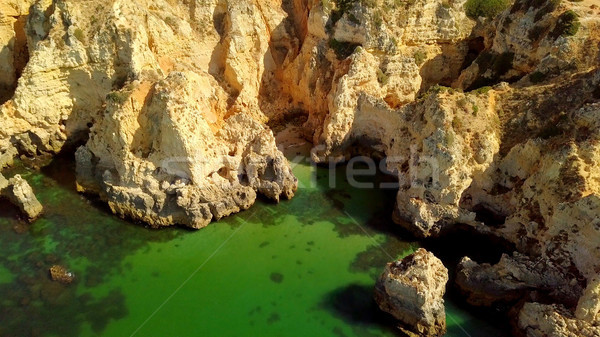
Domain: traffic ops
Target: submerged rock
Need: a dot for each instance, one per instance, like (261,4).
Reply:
(412,290)
(18,192)
(61,274)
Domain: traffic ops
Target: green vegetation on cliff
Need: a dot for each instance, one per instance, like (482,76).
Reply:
(567,25)
(485,8)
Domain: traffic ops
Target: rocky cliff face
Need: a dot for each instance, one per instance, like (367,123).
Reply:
(154,157)
(174,95)
(13,43)
(492,123)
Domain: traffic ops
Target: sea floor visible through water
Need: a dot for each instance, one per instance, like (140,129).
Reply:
(303,267)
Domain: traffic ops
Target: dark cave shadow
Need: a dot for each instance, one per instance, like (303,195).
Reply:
(7,90)
(354,304)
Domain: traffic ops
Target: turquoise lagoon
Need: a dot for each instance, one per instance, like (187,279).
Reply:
(304,267)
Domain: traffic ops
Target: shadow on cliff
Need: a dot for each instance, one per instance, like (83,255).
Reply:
(284,46)
(6,89)
(218,57)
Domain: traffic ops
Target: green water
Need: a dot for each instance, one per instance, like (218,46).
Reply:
(305,267)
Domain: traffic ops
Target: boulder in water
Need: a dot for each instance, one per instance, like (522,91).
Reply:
(412,290)
(18,192)
(61,274)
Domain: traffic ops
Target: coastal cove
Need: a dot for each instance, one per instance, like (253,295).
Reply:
(304,267)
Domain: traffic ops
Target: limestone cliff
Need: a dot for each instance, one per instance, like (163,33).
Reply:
(517,159)
(156,157)
(174,94)
(492,123)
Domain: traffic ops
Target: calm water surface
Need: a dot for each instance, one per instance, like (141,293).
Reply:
(305,267)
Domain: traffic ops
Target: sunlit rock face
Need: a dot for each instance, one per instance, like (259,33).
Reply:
(158,158)
(172,93)
(412,290)
(492,123)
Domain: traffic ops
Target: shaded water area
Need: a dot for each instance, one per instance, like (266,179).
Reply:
(304,267)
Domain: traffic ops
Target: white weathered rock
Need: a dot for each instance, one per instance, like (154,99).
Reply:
(412,290)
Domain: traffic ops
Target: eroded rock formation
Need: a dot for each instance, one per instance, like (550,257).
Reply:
(178,167)
(18,192)
(170,99)
(174,92)
(412,290)
(537,319)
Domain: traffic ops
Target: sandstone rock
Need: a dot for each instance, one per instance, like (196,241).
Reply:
(411,290)
(537,320)
(453,137)
(61,274)
(402,53)
(526,39)
(168,157)
(7,156)
(87,59)
(18,191)
(13,44)
(588,307)
(174,96)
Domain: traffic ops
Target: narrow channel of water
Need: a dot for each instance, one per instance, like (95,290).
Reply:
(304,267)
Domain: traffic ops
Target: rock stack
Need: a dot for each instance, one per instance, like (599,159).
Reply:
(412,290)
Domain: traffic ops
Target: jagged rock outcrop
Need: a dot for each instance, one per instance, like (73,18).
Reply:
(536,320)
(18,192)
(519,161)
(412,290)
(159,156)
(152,155)
(512,278)
(541,38)
(403,48)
